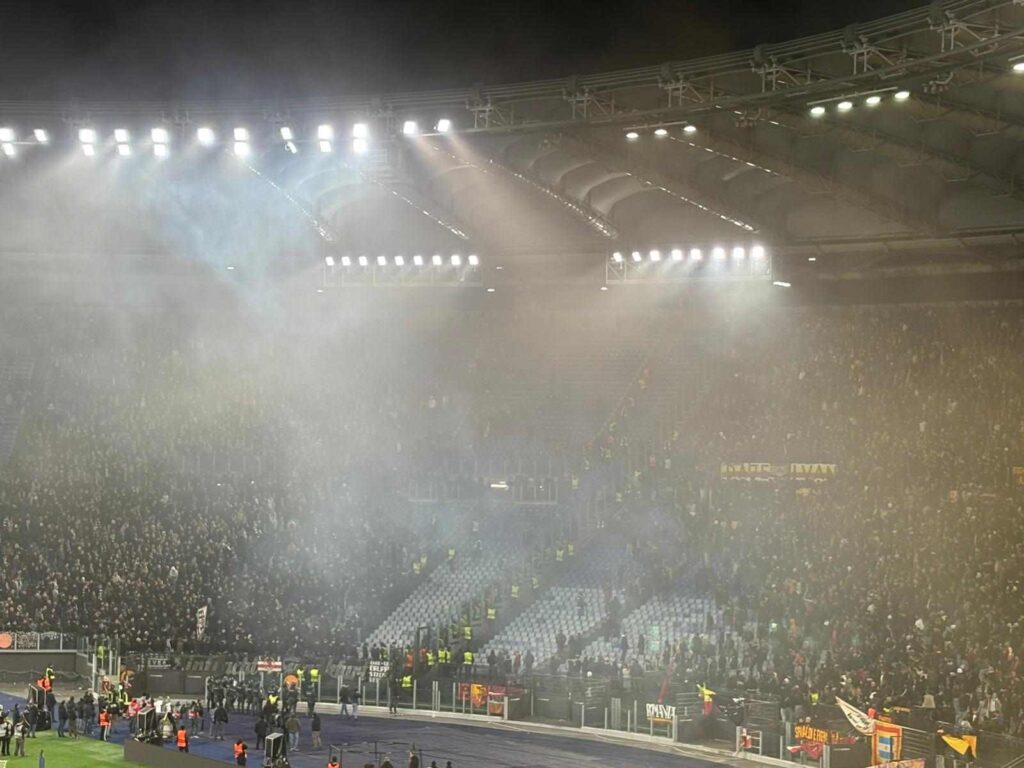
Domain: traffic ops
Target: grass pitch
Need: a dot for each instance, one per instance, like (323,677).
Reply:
(69,753)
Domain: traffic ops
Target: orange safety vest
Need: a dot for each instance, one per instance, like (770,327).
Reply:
(104,718)
(239,749)
(182,738)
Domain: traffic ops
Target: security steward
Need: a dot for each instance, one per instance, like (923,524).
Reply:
(182,739)
(241,753)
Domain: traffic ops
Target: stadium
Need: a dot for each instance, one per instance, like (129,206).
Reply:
(662,415)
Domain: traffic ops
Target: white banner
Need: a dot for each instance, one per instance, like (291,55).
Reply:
(860,721)
(200,623)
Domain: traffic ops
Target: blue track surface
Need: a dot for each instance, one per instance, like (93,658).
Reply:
(467,746)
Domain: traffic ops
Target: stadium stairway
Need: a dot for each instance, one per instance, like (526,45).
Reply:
(15,377)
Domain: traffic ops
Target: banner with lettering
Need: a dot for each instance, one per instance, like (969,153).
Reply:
(888,742)
(1018,477)
(661,713)
(765,471)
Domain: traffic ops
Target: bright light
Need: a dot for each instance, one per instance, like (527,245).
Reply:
(490,290)
(817,110)
(636,256)
(399,261)
(689,129)
(655,255)
(363,261)
(844,106)
(241,149)
(231,268)
(42,136)
(159,135)
(739,252)
(325,132)
(757,252)
(360,147)
(329,261)
(206,136)
(677,254)
(160,150)
(121,135)
(359,131)
(8,149)
(325,145)
(87,135)
(873,101)
(632,135)
(346,261)
(1018,66)
(410,128)
(456,260)
(660,132)
(287,134)
(88,150)
(695,254)
(617,257)
(417,260)
(436,261)
(444,125)
(604,287)
(6,134)
(718,253)
(382,261)
(901,95)
(782,284)
(474,260)
(241,134)
(812,258)
(290,146)
(124,150)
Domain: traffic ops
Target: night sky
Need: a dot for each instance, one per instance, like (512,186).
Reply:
(146,50)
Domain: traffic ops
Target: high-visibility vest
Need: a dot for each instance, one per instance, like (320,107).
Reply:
(536,583)
(467,632)
(272,699)
(492,614)
(49,673)
(467,658)
(416,567)
(430,658)
(444,656)
(570,550)
(515,591)
(104,718)
(182,740)
(407,681)
(239,749)
(451,553)
(559,555)
(314,674)
(300,672)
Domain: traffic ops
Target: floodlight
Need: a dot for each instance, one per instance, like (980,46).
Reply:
(636,256)
(124,150)
(325,132)
(617,257)
(718,252)
(604,287)
(6,134)
(410,128)
(8,149)
(677,254)
(399,261)
(382,261)
(812,258)
(325,145)
(873,101)
(1018,66)
(241,149)
(655,255)
(757,252)
(817,110)
(363,261)
(661,132)
(346,261)
(206,136)
(490,290)
(689,129)
(632,135)
(696,254)
(42,136)
(241,134)
(901,95)
(844,106)
(329,261)
(87,135)
(121,135)
(456,260)
(159,136)
(359,131)
(359,146)
(290,147)
(444,125)
(739,252)
(88,150)
(160,150)
(436,260)
(474,260)
(286,133)
(782,284)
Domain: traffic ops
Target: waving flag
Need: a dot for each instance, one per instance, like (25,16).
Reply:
(860,722)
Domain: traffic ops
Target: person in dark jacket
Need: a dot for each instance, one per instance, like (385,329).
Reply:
(220,718)
(62,719)
(261,732)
